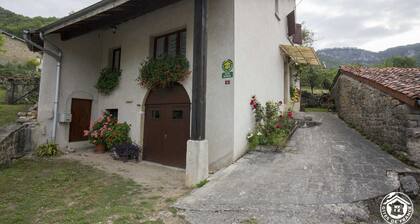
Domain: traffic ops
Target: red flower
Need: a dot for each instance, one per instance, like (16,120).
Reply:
(290,115)
(278,126)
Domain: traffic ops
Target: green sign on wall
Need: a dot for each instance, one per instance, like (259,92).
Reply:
(227,67)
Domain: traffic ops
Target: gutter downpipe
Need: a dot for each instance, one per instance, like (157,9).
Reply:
(58,55)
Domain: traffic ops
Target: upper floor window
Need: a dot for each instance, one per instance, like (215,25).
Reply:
(171,44)
(116,59)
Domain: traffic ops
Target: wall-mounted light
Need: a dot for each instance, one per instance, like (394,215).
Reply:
(114,29)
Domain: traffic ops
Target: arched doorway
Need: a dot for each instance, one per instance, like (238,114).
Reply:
(167,126)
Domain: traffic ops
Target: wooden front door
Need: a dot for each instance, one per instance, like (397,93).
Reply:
(167,126)
(81,113)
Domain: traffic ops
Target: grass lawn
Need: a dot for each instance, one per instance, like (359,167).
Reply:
(316,90)
(63,191)
(316,109)
(8,112)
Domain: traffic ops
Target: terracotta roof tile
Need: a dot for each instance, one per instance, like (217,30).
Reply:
(405,81)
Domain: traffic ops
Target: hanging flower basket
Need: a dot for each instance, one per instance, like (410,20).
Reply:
(108,81)
(162,72)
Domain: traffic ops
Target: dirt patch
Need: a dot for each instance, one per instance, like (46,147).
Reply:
(162,183)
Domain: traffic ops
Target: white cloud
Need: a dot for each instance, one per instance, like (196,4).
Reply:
(370,24)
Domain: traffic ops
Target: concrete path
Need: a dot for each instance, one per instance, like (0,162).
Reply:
(321,176)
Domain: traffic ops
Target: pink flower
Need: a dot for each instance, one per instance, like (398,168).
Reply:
(86,133)
(290,115)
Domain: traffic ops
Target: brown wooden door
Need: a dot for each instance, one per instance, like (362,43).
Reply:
(167,126)
(153,135)
(81,114)
(176,134)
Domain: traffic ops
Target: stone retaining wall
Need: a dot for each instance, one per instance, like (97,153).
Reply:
(385,120)
(15,142)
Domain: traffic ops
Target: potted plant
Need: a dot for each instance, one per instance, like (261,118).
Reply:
(108,81)
(99,131)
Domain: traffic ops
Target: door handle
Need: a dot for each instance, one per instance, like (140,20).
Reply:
(165,136)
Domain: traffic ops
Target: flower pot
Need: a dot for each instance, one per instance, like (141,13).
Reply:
(100,149)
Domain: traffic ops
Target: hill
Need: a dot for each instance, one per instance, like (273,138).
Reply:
(15,23)
(334,57)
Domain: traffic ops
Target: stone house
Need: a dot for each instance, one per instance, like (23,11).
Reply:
(205,118)
(383,104)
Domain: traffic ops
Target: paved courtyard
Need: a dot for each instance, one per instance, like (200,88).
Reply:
(322,177)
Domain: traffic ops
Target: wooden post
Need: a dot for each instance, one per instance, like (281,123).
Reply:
(198,131)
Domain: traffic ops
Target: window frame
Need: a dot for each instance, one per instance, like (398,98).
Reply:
(166,42)
(112,111)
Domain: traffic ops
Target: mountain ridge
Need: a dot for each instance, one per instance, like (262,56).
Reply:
(334,57)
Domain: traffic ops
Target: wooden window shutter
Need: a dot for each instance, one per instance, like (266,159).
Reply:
(298,37)
(291,23)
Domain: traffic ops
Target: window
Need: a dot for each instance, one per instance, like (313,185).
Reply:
(116,59)
(177,114)
(113,112)
(171,44)
(155,114)
(276,9)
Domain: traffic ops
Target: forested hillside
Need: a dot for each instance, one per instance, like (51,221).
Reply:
(15,24)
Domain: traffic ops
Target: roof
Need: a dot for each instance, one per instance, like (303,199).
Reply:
(104,14)
(301,55)
(401,83)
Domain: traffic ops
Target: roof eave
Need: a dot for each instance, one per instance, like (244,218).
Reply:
(80,15)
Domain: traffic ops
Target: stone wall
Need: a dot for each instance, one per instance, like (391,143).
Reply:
(385,120)
(15,142)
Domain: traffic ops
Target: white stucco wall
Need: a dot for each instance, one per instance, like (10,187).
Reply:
(259,63)
(80,71)
(85,56)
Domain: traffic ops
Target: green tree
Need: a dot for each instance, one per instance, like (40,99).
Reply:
(310,77)
(308,36)
(15,24)
(400,62)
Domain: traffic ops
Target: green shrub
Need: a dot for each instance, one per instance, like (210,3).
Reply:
(162,72)
(109,79)
(118,135)
(272,127)
(47,150)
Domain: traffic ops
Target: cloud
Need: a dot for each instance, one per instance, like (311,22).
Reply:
(370,24)
(57,8)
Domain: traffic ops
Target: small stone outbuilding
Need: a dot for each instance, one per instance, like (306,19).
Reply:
(384,105)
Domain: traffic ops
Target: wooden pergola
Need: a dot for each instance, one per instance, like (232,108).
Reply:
(301,55)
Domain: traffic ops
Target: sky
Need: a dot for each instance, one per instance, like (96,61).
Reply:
(368,24)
